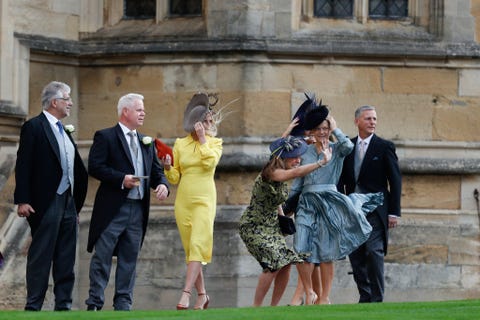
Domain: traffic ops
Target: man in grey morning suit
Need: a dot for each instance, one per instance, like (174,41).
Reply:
(126,164)
(51,185)
(372,167)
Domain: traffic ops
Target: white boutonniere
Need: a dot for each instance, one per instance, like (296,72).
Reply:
(69,128)
(147,140)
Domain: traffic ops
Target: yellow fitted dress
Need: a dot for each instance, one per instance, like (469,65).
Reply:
(196,201)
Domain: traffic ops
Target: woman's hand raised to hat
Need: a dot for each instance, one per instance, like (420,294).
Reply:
(333,123)
(200,131)
(290,127)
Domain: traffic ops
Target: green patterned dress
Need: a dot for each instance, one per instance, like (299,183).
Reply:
(259,228)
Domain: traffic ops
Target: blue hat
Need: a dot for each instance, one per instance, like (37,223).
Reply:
(289,147)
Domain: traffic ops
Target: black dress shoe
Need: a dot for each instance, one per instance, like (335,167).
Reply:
(62,309)
(31,309)
(92,307)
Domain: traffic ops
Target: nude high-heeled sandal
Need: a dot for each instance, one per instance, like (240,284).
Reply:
(182,306)
(205,304)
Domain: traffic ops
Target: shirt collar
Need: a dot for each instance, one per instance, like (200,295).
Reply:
(51,118)
(125,129)
(367,140)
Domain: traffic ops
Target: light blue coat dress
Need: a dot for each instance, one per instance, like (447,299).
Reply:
(330,225)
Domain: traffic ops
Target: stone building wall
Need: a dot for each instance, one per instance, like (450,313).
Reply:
(421,74)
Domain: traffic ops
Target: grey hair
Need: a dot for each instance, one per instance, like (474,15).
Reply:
(53,90)
(359,111)
(127,101)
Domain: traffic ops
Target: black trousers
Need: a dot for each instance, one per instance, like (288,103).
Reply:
(368,263)
(53,247)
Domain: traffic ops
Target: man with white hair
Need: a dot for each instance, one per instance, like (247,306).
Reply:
(126,164)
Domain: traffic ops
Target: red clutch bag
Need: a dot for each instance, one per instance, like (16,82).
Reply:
(162,149)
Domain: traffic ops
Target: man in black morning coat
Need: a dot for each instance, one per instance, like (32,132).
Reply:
(126,164)
(373,170)
(51,185)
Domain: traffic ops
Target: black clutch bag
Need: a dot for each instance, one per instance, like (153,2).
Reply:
(287,226)
(291,204)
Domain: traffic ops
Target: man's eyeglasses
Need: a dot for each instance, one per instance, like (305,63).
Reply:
(64,99)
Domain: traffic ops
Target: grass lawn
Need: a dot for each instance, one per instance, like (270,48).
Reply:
(460,309)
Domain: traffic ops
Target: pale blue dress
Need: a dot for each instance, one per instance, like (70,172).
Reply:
(330,225)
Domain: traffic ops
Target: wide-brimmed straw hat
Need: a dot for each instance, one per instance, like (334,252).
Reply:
(196,111)
(289,147)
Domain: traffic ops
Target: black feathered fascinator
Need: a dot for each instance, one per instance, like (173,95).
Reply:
(307,105)
(310,114)
(315,116)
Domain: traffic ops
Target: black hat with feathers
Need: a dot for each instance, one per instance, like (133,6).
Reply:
(299,130)
(310,114)
(316,115)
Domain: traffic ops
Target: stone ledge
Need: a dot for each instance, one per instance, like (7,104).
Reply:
(11,110)
(249,154)
(312,46)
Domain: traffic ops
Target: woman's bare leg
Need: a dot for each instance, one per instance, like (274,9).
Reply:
(193,270)
(297,298)
(305,271)
(317,282)
(327,270)
(279,285)
(201,291)
(264,282)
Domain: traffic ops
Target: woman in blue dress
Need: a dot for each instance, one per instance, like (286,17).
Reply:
(329,224)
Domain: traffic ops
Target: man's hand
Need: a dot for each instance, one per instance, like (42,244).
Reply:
(24,210)
(161,192)
(130,181)
(392,222)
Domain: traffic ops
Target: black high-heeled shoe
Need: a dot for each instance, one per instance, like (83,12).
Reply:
(205,304)
(182,306)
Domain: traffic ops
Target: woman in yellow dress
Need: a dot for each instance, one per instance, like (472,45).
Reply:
(195,158)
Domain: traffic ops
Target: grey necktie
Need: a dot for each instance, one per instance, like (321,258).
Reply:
(133,145)
(359,158)
(363,145)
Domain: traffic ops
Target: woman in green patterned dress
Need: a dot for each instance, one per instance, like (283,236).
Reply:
(259,226)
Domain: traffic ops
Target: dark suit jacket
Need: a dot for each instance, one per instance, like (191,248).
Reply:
(109,161)
(379,173)
(38,170)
